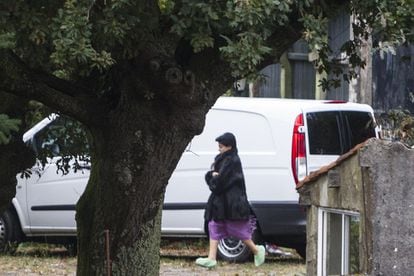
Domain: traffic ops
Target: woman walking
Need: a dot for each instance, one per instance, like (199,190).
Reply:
(228,211)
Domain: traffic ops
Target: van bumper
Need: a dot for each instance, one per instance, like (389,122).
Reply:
(283,223)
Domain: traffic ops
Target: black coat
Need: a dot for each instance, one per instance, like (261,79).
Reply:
(228,199)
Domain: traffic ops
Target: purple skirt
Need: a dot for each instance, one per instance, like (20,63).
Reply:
(240,229)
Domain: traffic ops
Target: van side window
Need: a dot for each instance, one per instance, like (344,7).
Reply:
(361,126)
(324,132)
(62,137)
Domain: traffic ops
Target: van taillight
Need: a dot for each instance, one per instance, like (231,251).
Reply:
(298,150)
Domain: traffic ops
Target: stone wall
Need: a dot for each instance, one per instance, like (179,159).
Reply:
(337,188)
(375,180)
(390,167)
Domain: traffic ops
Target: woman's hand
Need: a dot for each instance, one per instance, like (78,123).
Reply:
(215,174)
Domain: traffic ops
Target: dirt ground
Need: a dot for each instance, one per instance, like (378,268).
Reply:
(272,267)
(177,258)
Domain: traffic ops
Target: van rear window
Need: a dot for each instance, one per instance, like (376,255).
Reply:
(360,126)
(324,132)
(336,132)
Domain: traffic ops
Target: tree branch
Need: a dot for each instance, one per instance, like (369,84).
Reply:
(20,80)
(281,40)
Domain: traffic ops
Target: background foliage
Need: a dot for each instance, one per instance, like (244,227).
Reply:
(7,126)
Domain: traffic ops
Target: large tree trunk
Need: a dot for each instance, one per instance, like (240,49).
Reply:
(134,155)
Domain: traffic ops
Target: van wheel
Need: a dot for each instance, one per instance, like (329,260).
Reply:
(234,250)
(10,233)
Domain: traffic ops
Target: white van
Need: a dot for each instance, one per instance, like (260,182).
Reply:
(279,140)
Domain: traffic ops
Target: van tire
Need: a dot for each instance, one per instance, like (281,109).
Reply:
(10,232)
(234,250)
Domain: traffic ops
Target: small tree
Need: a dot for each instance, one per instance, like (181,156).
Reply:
(7,126)
(140,76)
(14,155)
